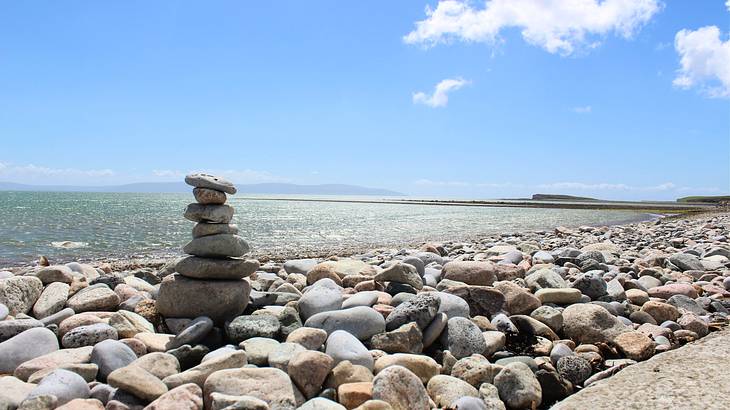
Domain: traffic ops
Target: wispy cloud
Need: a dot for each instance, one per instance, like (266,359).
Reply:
(429,182)
(704,61)
(558,26)
(586,109)
(667,186)
(440,96)
(235,175)
(13,171)
(664,187)
(433,183)
(662,46)
(561,187)
(167,173)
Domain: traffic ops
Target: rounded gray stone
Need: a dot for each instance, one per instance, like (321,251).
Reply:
(111,355)
(574,368)
(341,346)
(400,273)
(30,344)
(201,180)
(463,338)
(401,388)
(55,273)
(361,321)
(209,196)
(217,246)
(559,351)
(220,300)
(246,327)
(258,349)
(211,268)
(205,229)
(545,278)
(94,298)
(281,355)
(469,403)
(434,329)
(591,284)
(52,300)
(59,317)
(88,335)
(417,263)
(589,323)
(19,293)
(452,305)
(550,316)
(360,299)
(10,328)
(518,387)
(194,332)
(214,214)
(321,297)
(421,310)
(65,385)
(299,265)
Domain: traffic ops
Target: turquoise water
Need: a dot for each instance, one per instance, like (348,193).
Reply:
(68,226)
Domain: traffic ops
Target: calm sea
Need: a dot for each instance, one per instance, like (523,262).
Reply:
(81,226)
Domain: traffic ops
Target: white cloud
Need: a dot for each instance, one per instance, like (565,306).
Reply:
(428,182)
(558,26)
(583,110)
(432,183)
(667,186)
(662,46)
(32,171)
(727,5)
(704,61)
(168,173)
(234,175)
(440,96)
(563,186)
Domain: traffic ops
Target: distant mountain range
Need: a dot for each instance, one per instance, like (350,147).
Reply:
(174,187)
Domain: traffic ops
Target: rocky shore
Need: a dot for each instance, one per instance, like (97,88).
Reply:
(512,321)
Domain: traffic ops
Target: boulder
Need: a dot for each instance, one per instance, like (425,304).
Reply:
(27,345)
(471,273)
(270,385)
(400,388)
(19,293)
(188,298)
(361,321)
(588,323)
(518,387)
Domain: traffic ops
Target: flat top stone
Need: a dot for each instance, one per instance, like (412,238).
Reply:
(201,180)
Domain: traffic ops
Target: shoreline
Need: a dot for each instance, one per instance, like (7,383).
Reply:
(157,260)
(516,203)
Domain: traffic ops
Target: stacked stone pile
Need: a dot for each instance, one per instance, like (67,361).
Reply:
(210,282)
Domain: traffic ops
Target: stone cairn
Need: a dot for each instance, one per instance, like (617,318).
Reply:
(210,282)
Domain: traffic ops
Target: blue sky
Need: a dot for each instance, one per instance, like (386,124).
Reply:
(607,99)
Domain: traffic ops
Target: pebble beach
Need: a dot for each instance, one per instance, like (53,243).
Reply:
(506,321)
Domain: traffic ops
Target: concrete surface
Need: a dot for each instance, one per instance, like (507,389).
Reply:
(695,376)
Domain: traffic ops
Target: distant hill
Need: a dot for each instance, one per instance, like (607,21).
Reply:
(175,187)
(558,197)
(705,199)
